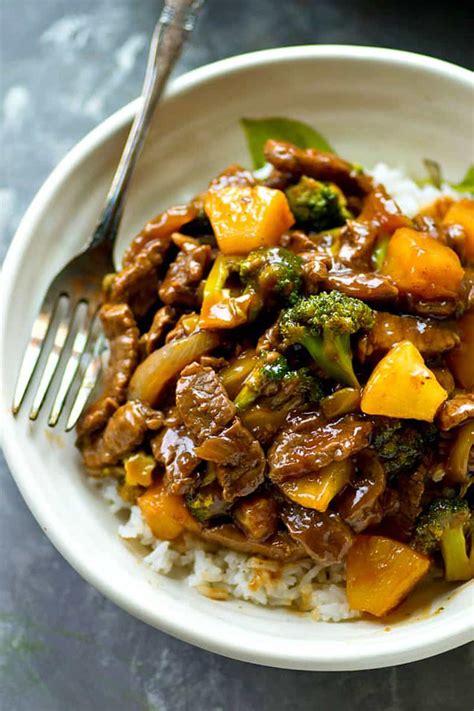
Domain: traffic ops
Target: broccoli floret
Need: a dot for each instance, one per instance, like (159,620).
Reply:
(207,502)
(400,446)
(317,206)
(273,377)
(270,369)
(323,324)
(272,272)
(266,276)
(308,384)
(448,523)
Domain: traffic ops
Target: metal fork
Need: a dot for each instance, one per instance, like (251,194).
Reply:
(77,289)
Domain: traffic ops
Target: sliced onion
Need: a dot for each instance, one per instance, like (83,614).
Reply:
(151,376)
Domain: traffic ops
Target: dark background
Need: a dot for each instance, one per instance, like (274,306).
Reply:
(64,66)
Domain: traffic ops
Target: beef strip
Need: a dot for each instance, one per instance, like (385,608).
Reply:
(360,502)
(380,216)
(442,309)
(278,180)
(175,450)
(233,175)
(163,319)
(279,547)
(159,229)
(96,415)
(402,506)
(137,283)
(213,362)
(314,271)
(270,340)
(185,325)
(257,515)
(202,402)
(324,536)
(297,241)
(206,411)
(367,286)
(239,460)
(180,285)
(456,411)
(123,433)
(431,338)
(289,159)
(306,443)
(122,333)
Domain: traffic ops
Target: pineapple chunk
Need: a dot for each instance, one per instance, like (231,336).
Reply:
(462,213)
(422,266)
(402,386)
(245,218)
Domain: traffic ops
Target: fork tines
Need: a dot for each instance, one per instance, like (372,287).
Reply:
(63,333)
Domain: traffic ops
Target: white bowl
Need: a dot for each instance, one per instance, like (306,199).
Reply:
(373,105)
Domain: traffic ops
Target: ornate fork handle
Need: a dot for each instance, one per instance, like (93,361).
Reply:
(176,22)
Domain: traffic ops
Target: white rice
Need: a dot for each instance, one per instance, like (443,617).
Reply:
(220,574)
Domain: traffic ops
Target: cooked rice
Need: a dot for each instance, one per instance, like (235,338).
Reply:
(221,573)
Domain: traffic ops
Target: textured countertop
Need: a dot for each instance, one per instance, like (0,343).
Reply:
(64,66)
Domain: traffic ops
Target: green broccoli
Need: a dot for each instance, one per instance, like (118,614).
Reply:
(237,288)
(400,446)
(448,523)
(317,206)
(306,384)
(270,369)
(323,324)
(207,502)
(272,272)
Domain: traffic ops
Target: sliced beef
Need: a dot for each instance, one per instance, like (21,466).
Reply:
(278,180)
(202,402)
(180,285)
(279,547)
(122,333)
(239,460)
(175,450)
(380,217)
(360,502)
(289,159)
(257,515)
(185,325)
(402,506)
(206,410)
(367,286)
(297,242)
(324,536)
(231,176)
(442,309)
(456,411)
(314,271)
(270,340)
(162,321)
(124,432)
(159,230)
(306,443)
(208,361)
(137,283)
(430,337)
(96,415)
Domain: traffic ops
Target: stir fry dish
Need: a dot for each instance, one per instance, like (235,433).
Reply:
(291,374)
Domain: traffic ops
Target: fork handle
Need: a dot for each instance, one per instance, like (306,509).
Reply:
(177,19)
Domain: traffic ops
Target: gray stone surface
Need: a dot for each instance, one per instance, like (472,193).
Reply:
(64,66)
